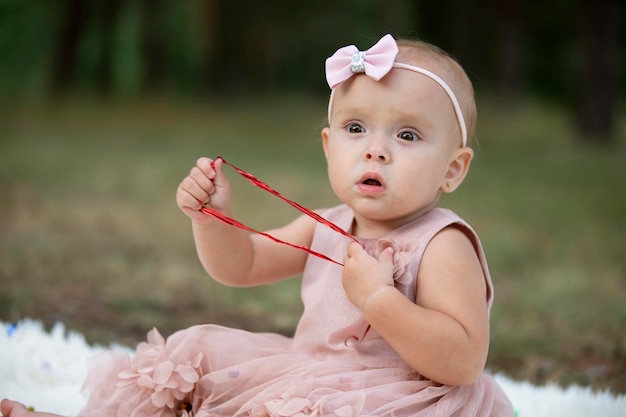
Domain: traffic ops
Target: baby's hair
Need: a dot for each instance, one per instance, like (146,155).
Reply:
(424,54)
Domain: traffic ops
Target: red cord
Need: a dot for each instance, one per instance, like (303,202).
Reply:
(258,183)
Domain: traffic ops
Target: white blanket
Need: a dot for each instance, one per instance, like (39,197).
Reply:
(46,369)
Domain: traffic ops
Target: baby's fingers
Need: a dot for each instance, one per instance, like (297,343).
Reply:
(191,194)
(207,167)
(217,174)
(354,250)
(212,170)
(195,189)
(199,181)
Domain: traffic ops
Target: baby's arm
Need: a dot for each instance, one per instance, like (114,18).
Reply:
(230,255)
(445,334)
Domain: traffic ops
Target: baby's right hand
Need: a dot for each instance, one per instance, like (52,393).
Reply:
(205,185)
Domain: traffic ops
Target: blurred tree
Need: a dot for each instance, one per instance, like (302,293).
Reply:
(73,20)
(109,13)
(467,30)
(241,47)
(154,54)
(598,84)
(227,59)
(510,50)
(209,10)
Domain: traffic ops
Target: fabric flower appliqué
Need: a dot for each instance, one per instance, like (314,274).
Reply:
(168,382)
(295,402)
(401,257)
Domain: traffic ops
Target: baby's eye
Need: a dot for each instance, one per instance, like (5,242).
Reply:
(355,128)
(408,136)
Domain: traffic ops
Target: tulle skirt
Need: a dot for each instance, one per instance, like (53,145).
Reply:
(211,371)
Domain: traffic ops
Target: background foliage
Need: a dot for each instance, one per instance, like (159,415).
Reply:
(569,52)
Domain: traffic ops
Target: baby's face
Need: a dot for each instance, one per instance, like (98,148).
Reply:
(389,145)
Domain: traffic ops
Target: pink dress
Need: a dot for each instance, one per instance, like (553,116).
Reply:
(335,365)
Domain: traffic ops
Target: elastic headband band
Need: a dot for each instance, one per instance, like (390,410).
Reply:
(376,62)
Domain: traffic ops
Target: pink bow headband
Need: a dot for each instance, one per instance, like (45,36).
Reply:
(376,62)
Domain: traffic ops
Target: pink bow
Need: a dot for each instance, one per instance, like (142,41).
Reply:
(375,62)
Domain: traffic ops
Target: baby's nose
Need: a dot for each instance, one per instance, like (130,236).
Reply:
(377,151)
(376,155)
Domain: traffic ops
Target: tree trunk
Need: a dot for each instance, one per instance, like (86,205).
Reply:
(104,76)
(66,46)
(210,12)
(510,50)
(598,82)
(153,52)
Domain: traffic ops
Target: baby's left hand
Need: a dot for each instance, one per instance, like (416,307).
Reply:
(364,275)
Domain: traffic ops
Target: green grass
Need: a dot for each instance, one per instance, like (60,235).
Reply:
(90,233)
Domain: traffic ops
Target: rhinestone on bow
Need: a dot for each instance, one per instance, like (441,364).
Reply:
(358,62)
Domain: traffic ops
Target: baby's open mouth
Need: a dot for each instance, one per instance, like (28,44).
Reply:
(371,181)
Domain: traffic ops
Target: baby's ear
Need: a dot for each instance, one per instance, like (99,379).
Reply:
(457,169)
(325,133)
